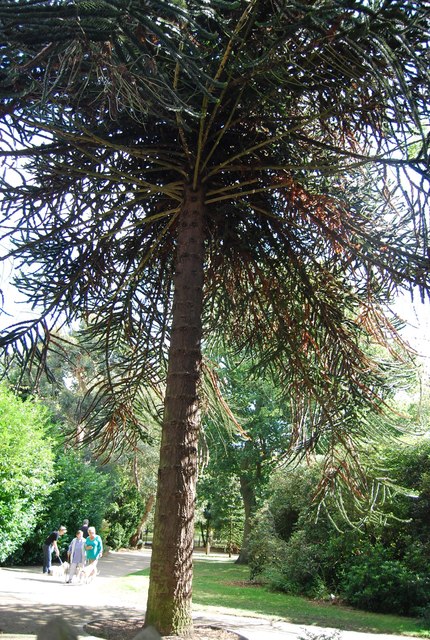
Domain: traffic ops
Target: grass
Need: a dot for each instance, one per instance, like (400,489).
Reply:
(226,588)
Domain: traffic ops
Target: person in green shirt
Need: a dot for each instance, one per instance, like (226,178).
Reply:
(93,551)
(93,546)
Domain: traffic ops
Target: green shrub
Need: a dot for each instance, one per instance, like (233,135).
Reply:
(300,572)
(376,582)
(125,511)
(292,567)
(117,536)
(265,547)
(297,552)
(304,566)
(26,469)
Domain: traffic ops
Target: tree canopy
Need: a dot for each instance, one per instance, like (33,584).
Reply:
(177,170)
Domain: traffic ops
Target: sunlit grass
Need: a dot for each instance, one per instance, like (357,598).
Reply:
(224,586)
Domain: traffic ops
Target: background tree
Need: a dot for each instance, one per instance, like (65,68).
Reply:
(219,493)
(63,385)
(131,513)
(26,469)
(245,459)
(234,167)
(118,507)
(145,464)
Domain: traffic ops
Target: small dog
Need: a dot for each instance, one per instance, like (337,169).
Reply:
(87,573)
(60,571)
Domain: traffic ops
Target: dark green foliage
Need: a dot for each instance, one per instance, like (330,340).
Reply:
(220,490)
(26,469)
(266,548)
(410,465)
(120,41)
(82,491)
(300,571)
(375,581)
(378,564)
(287,542)
(124,512)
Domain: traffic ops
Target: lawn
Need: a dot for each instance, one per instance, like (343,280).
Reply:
(224,586)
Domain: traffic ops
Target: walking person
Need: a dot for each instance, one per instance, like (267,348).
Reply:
(94,551)
(51,545)
(76,554)
(93,546)
(84,528)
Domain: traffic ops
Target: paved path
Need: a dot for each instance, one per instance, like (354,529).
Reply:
(28,599)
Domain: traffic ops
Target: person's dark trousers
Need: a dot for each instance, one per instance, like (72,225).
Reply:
(47,557)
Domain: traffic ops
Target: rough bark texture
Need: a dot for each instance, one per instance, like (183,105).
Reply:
(169,597)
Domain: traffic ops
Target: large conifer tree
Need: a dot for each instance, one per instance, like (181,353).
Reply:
(181,169)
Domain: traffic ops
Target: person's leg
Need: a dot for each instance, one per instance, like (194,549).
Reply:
(48,558)
(80,574)
(72,570)
(91,570)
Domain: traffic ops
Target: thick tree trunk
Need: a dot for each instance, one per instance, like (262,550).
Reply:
(249,502)
(170,588)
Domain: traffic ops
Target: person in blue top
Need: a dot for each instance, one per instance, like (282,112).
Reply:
(93,546)
(51,545)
